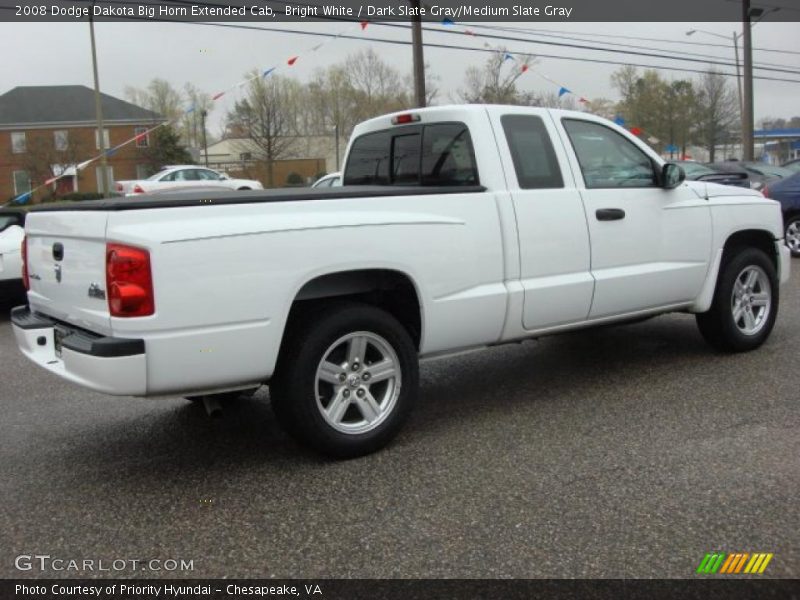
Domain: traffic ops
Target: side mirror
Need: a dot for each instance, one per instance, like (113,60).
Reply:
(223,176)
(672,176)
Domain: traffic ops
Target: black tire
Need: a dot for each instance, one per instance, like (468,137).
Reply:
(244,189)
(791,233)
(318,335)
(718,326)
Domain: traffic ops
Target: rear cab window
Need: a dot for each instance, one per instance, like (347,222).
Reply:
(438,154)
(532,153)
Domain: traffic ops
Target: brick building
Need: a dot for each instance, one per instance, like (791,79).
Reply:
(46,130)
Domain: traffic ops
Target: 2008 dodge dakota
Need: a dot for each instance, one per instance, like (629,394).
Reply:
(457,227)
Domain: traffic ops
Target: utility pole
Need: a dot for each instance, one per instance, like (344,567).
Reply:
(738,77)
(336,142)
(101,138)
(748,151)
(419,60)
(203,115)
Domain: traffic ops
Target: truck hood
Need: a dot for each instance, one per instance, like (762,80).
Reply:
(708,190)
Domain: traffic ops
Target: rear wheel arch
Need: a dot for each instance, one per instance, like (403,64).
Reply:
(394,291)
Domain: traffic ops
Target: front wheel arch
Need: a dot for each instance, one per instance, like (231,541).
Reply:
(721,325)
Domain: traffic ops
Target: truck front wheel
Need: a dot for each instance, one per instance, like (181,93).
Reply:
(346,379)
(745,303)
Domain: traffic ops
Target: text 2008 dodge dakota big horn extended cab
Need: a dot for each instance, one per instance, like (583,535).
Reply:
(458,227)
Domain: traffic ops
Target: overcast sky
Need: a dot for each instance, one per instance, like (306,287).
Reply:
(214,58)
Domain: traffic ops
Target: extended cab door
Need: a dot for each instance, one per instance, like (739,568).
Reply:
(650,246)
(551,222)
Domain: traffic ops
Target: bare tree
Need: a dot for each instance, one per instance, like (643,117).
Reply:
(159,96)
(553,100)
(602,107)
(718,111)
(191,125)
(496,81)
(44,160)
(376,86)
(171,103)
(267,119)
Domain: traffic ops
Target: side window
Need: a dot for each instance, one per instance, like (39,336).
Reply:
(205,175)
(368,163)
(169,176)
(448,157)
(405,159)
(607,159)
(532,151)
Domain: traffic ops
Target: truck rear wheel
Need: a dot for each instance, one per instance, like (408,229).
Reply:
(346,379)
(745,303)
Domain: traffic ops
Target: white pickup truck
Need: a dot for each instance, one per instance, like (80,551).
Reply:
(457,227)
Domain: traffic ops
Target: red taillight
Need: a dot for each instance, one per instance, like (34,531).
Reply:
(403,119)
(129,281)
(137,189)
(24,250)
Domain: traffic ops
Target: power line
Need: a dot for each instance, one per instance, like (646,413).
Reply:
(632,37)
(600,49)
(582,39)
(717,62)
(469,48)
(445,46)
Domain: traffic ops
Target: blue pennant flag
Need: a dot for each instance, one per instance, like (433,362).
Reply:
(447,21)
(189,110)
(268,71)
(508,56)
(619,121)
(22,198)
(563,91)
(111,152)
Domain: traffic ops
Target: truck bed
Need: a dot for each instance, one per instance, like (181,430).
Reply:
(218,197)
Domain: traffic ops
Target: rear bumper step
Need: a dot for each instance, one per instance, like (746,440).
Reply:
(115,366)
(77,339)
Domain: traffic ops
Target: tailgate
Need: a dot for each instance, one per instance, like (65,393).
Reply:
(66,265)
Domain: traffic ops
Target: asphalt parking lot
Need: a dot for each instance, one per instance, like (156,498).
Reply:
(618,452)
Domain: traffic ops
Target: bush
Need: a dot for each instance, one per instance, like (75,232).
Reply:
(295,179)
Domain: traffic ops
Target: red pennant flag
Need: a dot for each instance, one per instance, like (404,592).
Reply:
(218,96)
(364,25)
(51,180)
(469,32)
(524,68)
(292,60)
(582,100)
(141,136)
(636,131)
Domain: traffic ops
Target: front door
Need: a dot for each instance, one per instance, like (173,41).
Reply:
(650,246)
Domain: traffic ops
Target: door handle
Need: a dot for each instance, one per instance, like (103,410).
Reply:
(609,214)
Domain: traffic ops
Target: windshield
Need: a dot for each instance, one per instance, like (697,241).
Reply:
(7,221)
(695,169)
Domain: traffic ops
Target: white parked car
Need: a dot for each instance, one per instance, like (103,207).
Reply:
(181,177)
(458,227)
(12,222)
(329,180)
